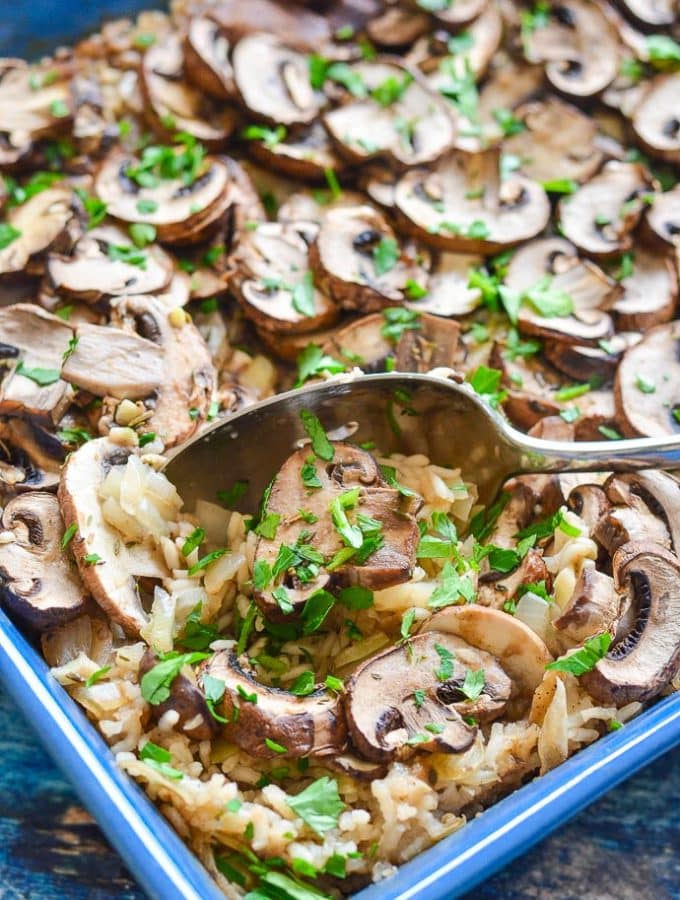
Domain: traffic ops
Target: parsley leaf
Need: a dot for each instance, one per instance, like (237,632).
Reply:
(158,758)
(157,682)
(42,377)
(303,685)
(321,446)
(445,670)
(453,586)
(319,805)
(309,475)
(312,361)
(270,137)
(585,659)
(303,296)
(473,685)
(398,319)
(548,301)
(198,635)
(96,676)
(232,495)
(385,255)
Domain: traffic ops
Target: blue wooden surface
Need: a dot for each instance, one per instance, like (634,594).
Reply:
(625,847)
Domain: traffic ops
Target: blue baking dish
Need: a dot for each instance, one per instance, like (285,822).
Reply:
(160,861)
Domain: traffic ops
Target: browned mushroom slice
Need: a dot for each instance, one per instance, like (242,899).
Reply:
(596,415)
(183,399)
(187,700)
(462,205)
(110,362)
(600,216)
(36,226)
(557,142)
(96,269)
(34,103)
(562,296)
(470,52)
(451,14)
(359,262)
(273,81)
(654,13)
(435,343)
(32,346)
(31,457)
(396,115)
(172,105)
(593,607)
(651,292)
(206,58)
(589,502)
(593,364)
(565,44)
(295,26)
(645,390)
(663,217)
(397,27)
(657,120)
(391,562)
(308,154)
(37,584)
(273,282)
(530,386)
(391,704)
(303,726)
(361,343)
(181,211)
(448,290)
(643,661)
(659,490)
(631,519)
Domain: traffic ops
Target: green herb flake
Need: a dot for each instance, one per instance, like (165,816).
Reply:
(445,670)
(644,384)
(407,624)
(586,658)
(206,561)
(158,758)
(8,234)
(230,497)
(398,320)
(318,805)
(97,676)
(473,685)
(69,534)
(303,296)
(561,186)
(193,542)
(157,682)
(321,446)
(270,137)
(303,685)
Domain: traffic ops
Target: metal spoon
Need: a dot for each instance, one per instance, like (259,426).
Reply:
(399,412)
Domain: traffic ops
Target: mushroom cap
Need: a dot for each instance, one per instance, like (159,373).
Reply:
(663,217)
(397,27)
(656,119)
(384,714)
(206,58)
(641,663)
(415,129)
(650,291)
(43,224)
(360,342)
(485,34)
(90,274)
(593,607)
(305,726)
(295,26)
(346,260)
(453,15)
(271,269)
(182,214)
(37,584)
(518,649)
(307,154)
(654,360)
(566,46)
(173,105)
(445,209)
(272,81)
(30,456)
(601,214)
(448,291)
(655,13)
(351,467)
(558,141)
(591,291)
(660,491)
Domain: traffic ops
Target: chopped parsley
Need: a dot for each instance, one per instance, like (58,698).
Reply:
(309,475)
(385,255)
(391,89)
(232,495)
(8,234)
(398,319)
(206,561)
(303,685)
(473,685)
(158,758)
(407,624)
(97,676)
(133,256)
(270,137)
(321,446)
(452,588)
(42,377)
(445,670)
(313,361)
(586,658)
(157,682)
(303,296)
(268,526)
(319,805)
(198,635)
(142,234)
(214,689)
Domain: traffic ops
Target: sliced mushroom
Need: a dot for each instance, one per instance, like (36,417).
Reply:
(433,344)
(361,343)
(557,142)
(110,362)
(663,217)
(448,290)
(593,607)
(590,503)
(631,520)
(397,27)
(27,113)
(273,81)
(656,119)
(518,649)
(391,563)
(41,224)
(530,385)
(388,720)
(297,27)
(452,14)
(642,662)
(30,456)
(172,105)
(182,213)
(596,414)
(304,726)
(185,699)
(645,387)
(600,216)
(183,399)
(307,154)
(409,123)
(206,58)
(106,564)
(32,345)
(554,264)
(37,584)
(358,260)
(566,45)
(273,283)
(462,204)
(92,273)
(593,364)
(654,13)
(659,491)
(482,39)
(651,292)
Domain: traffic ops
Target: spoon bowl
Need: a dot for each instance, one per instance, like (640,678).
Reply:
(398,412)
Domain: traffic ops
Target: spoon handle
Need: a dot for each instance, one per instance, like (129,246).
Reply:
(539,455)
